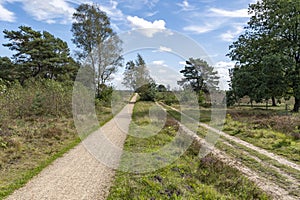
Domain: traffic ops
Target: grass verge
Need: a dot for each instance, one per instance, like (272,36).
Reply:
(31,144)
(189,177)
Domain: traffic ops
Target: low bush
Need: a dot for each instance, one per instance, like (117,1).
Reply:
(37,97)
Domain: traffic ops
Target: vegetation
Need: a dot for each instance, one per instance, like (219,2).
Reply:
(189,177)
(36,85)
(38,55)
(99,45)
(267,54)
(266,129)
(199,75)
(137,78)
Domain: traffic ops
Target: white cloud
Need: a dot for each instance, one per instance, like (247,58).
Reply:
(53,11)
(150,14)
(49,11)
(138,4)
(222,68)
(153,27)
(164,49)
(112,11)
(158,62)
(199,29)
(57,11)
(229,36)
(182,62)
(6,15)
(241,13)
(185,6)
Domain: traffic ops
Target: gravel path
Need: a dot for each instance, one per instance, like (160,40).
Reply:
(78,174)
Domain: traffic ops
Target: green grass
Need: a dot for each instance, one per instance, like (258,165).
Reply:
(29,145)
(267,129)
(189,177)
(267,138)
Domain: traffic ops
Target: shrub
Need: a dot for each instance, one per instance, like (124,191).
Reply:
(167,97)
(37,97)
(105,94)
(147,92)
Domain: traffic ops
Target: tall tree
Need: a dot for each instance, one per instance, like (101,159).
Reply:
(199,75)
(98,43)
(136,74)
(38,54)
(273,29)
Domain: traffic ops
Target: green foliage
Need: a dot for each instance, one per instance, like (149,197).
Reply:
(90,28)
(105,94)
(187,178)
(147,92)
(267,54)
(136,74)
(7,69)
(37,55)
(230,98)
(199,75)
(167,97)
(37,97)
(99,45)
(161,88)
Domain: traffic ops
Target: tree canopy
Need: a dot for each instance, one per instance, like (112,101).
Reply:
(267,54)
(137,77)
(98,44)
(136,74)
(38,54)
(199,75)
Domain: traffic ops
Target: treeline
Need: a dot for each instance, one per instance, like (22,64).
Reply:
(38,78)
(42,57)
(199,80)
(267,55)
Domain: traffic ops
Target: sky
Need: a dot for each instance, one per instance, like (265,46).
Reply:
(211,24)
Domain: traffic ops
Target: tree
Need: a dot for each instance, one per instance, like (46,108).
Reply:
(98,43)
(199,75)
(137,78)
(161,88)
(136,74)
(7,69)
(271,43)
(38,54)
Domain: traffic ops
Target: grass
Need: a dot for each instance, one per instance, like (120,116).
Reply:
(35,133)
(30,144)
(189,177)
(250,157)
(275,141)
(268,129)
(262,169)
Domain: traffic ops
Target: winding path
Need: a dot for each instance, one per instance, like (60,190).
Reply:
(78,174)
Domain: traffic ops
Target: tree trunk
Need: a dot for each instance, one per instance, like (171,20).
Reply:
(273,101)
(296,105)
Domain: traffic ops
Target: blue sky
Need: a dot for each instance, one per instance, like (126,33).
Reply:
(213,24)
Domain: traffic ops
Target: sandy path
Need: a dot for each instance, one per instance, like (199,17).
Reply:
(273,156)
(265,184)
(78,174)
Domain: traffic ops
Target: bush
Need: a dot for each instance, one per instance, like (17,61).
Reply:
(105,94)
(37,97)
(167,97)
(147,92)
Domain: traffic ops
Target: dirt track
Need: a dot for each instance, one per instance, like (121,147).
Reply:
(78,174)
(265,184)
